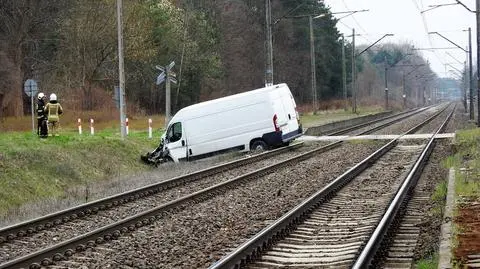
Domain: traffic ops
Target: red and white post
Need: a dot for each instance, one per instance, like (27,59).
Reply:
(126,125)
(150,128)
(92,131)
(79,121)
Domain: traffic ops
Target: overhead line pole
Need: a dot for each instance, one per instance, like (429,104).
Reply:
(470,61)
(386,84)
(344,74)
(354,74)
(312,62)
(121,73)
(477,12)
(269,45)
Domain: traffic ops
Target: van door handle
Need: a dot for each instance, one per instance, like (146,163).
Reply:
(289,117)
(183,142)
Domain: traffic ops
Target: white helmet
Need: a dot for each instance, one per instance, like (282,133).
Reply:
(53,97)
(41,95)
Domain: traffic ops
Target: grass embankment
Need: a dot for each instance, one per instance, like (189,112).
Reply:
(466,162)
(35,169)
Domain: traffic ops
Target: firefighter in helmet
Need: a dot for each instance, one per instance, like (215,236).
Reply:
(53,110)
(42,129)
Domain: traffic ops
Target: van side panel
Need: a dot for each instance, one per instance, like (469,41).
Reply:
(230,128)
(234,121)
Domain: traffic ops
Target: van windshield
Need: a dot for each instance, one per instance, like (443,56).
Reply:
(174,132)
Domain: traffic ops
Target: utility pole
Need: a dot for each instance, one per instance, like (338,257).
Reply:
(472,116)
(404,92)
(477,13)
(354,86)
(312,62)
(269,45)
(465,85)
(423,95)
(121,73)
(386,84)
(344,74)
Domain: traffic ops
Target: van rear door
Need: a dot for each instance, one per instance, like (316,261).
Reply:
(289,107)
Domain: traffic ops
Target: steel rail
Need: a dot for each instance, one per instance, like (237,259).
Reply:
(11,232)
(361,125)
(371,130)
(368,253)
(265,238)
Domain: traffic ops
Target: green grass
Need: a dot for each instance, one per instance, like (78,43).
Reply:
(35,169)
(466,162)
(439,196)
(431,263)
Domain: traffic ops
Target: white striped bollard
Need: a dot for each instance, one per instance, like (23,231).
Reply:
(92,131)
(150,128)
(126,125)
(79,126)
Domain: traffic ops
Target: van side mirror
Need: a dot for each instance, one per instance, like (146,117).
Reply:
(183,143)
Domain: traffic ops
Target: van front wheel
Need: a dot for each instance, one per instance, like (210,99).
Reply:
(259,145)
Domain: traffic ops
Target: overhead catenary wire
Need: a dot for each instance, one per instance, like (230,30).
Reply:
(425,25)
(357,23)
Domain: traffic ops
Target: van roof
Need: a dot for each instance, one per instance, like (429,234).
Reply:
(233,97)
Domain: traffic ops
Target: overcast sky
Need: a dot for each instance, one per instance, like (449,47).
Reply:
(404,19)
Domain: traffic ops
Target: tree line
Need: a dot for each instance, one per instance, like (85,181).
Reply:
(70,48)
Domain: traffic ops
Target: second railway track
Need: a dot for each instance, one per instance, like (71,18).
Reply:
(332,227)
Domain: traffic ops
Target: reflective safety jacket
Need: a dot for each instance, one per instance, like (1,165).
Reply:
(53,110)
(40,109)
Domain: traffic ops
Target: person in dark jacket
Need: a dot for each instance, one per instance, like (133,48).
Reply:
(53,110)
(42,128)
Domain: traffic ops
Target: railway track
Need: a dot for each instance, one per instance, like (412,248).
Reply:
(345,223)
(48,253)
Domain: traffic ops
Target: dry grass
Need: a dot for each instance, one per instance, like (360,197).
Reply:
(105,119)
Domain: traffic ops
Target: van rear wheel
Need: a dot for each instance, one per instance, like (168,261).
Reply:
(259,145)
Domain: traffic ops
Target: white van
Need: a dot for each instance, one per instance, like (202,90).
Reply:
(257,119)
